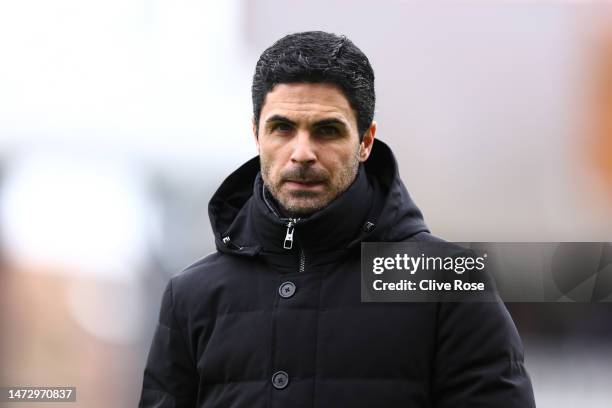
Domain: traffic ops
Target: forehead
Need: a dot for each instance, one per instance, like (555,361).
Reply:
(307,101)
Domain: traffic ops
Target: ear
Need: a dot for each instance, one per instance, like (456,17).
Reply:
(365,148)
(254,125)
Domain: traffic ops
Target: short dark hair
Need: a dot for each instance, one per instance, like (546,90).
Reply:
(317,56)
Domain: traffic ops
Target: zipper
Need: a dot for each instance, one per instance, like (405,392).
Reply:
(288,242)
(291,222)
(302,261)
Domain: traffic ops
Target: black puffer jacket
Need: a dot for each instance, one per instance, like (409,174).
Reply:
(258,325)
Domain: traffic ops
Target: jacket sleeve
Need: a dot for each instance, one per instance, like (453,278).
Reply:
(170,377)
(479,359)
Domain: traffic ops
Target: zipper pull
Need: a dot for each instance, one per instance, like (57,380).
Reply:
(288,243)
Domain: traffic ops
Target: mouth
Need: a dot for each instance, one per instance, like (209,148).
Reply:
(304,184)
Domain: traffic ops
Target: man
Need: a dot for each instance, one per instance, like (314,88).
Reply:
(274,317)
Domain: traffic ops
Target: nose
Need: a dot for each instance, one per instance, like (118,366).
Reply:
(303,149)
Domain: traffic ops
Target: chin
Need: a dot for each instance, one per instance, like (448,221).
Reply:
(305,209)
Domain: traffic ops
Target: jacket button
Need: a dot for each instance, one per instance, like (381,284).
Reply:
(286,289)
(280,380)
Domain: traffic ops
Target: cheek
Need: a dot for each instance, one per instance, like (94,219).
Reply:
(273,156)
(269,165)
(339,160)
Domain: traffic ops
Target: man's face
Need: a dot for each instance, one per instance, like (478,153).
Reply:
(309,145)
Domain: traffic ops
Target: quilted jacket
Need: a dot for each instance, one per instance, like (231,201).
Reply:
(274,319)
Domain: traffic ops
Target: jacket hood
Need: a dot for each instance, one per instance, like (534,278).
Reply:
(376,207)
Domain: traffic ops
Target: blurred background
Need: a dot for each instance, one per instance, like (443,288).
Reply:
(119,119)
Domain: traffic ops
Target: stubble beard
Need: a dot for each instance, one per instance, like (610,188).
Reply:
(302,203)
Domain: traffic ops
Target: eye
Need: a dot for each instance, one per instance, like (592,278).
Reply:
(328,131)
(281,127)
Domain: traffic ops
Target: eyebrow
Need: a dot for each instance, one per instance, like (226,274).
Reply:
(324,122)
(327,122)
(280,118)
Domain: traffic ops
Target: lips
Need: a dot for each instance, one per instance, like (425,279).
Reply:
(303,184)
(304,178)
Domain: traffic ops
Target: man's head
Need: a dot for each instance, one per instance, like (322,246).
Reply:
(313,105)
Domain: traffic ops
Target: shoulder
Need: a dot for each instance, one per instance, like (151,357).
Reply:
(208,279)
(203,264)
(200,272)
(200,277)
(191,290)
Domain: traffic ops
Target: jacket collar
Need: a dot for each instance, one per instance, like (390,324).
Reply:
(376,207)
(333,227)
